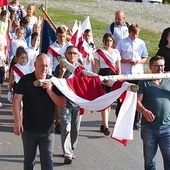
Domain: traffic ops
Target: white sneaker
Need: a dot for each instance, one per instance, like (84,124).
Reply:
(0,104)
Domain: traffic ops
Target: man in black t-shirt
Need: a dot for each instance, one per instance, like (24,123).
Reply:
(37,123)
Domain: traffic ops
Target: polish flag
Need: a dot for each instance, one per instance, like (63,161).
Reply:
(77,38)
(87,25)
(75,27)
(3,3)
(88,93)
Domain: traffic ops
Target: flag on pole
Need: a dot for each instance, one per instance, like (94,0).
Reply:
(48,36)
(77,38)
(75,27)
(3,3)
(123,129)
(87,25)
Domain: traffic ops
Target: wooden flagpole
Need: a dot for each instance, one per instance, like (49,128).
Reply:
(41,7)
(111,79)
(71,68)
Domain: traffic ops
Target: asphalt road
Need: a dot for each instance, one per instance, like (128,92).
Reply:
(94,151)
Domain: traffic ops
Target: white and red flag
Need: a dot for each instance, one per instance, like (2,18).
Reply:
(87,25)
(77,38)
(75,27)
(88,93)
(3,3)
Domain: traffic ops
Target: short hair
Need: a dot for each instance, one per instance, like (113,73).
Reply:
(155,58)
(25,20)
(71,46)
(33,35)
(61,30)
(87,31)
(134,28)
(41,55)
(3,13)
(106,35)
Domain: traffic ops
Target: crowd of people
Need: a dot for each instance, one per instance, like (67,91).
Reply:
(122,53)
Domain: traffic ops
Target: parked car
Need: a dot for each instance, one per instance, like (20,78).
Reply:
(152,1)
(144,1)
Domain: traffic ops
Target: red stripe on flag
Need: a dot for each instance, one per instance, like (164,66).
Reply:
(74,38)
(3,3)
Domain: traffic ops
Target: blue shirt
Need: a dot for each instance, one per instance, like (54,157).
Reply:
(156,98)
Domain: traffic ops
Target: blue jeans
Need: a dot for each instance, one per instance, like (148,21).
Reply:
(45,142)
(152,138)
(70,123)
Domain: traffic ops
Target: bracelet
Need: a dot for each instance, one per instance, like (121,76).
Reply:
(143,110)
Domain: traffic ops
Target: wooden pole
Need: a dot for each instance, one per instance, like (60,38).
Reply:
(127,77)
(48,17)
(71,68)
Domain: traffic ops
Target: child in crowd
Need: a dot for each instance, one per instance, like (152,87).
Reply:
(89,48)
(2,68)
(32,51)
(12,27)
(24,22)
(3,30)
(31,15)
(15,5)
(19,41)
(18,70)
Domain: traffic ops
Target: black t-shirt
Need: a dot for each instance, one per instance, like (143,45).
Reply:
(38,108)
(165,52)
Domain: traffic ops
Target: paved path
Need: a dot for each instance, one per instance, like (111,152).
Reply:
(94,150)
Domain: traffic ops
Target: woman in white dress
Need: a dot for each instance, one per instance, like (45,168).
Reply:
(107,62)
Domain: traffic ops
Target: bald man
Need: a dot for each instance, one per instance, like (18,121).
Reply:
(37,125)
(119,28)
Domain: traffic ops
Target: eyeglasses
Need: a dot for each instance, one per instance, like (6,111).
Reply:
(74,53)
(158,66)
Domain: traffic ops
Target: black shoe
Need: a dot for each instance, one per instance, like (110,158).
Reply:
(102,128)
(136,127)
(57,129)
(106,132)
(67,160)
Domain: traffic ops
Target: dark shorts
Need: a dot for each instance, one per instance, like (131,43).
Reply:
(105,72)
(1,75)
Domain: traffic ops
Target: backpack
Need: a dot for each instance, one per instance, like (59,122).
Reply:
(112,26)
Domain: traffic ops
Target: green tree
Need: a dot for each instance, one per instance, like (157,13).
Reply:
(166,1)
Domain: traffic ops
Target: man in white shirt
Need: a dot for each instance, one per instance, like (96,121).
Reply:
(134,55)
(57,48)
(119,28)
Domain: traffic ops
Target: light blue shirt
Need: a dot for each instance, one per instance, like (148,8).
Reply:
(132,49)
(120,31)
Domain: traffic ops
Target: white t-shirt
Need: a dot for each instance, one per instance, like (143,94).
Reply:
(113,57)
(16,43)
